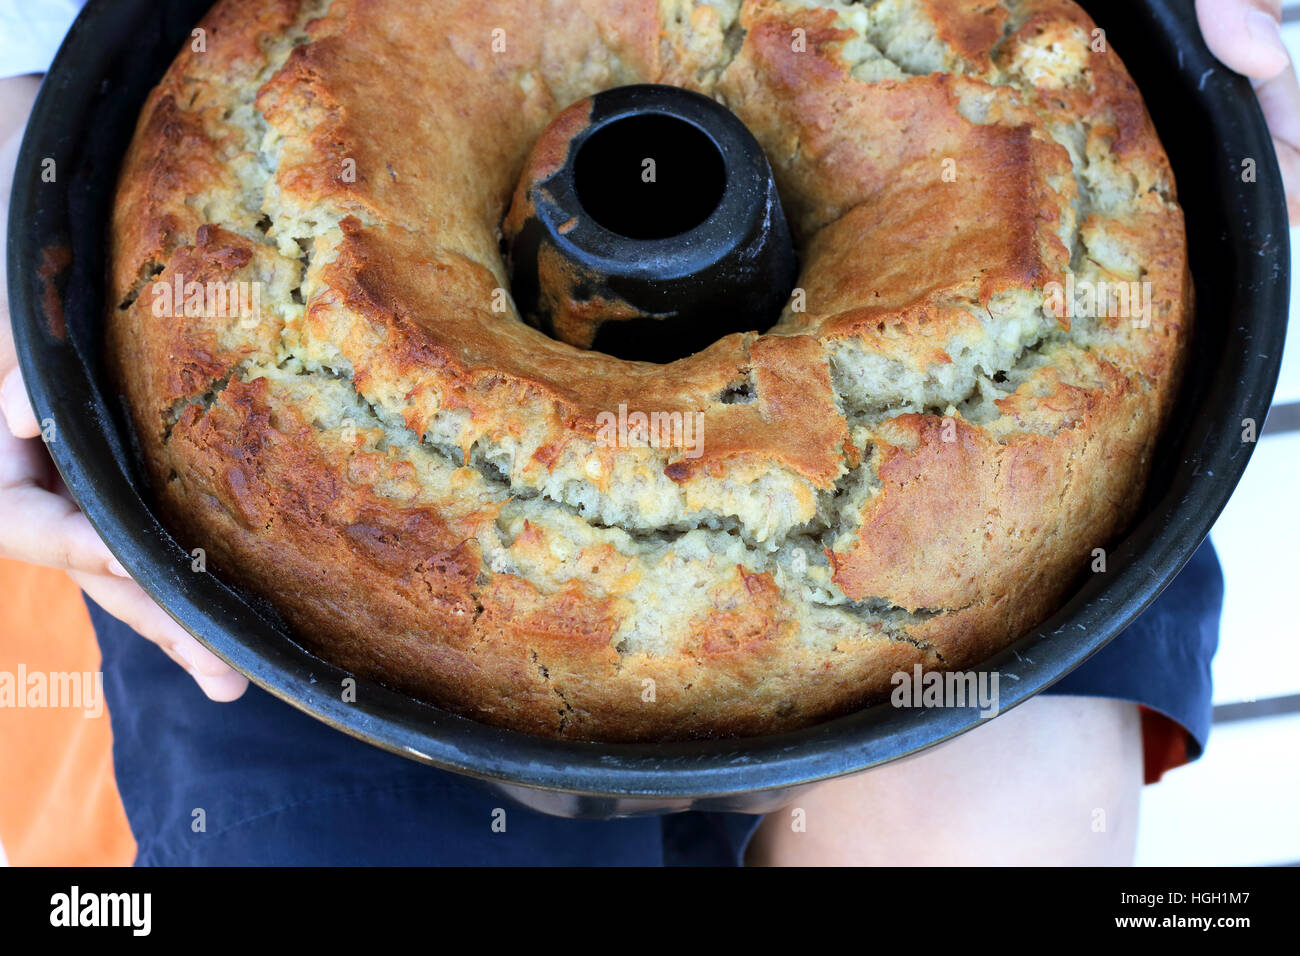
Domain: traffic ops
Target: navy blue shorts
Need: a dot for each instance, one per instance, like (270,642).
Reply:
(257,782)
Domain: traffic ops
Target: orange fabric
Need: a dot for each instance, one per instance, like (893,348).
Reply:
(1164,744)
(59,803)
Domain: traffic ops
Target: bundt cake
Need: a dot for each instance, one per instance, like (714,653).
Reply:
(913,465)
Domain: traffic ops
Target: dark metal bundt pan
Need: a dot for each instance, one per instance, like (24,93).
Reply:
(1209,121)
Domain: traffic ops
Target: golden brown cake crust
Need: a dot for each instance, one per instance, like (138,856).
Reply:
(913,467)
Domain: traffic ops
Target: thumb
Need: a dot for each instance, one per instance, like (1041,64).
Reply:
(16,408)
(1245,35)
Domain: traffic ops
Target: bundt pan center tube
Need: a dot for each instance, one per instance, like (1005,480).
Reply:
(660,231)
(1236,232)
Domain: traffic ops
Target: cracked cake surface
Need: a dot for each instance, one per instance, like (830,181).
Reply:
(913,466)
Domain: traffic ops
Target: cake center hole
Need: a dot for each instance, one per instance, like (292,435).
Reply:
(649,176)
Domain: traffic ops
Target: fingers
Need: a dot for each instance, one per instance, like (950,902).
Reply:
(16,96)
(52,531)
(1280,99)
(16,407)
(125,601)
(1245,35)
(42,527)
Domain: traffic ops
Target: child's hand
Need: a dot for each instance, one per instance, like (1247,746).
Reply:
(41,524)
(1244,34)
